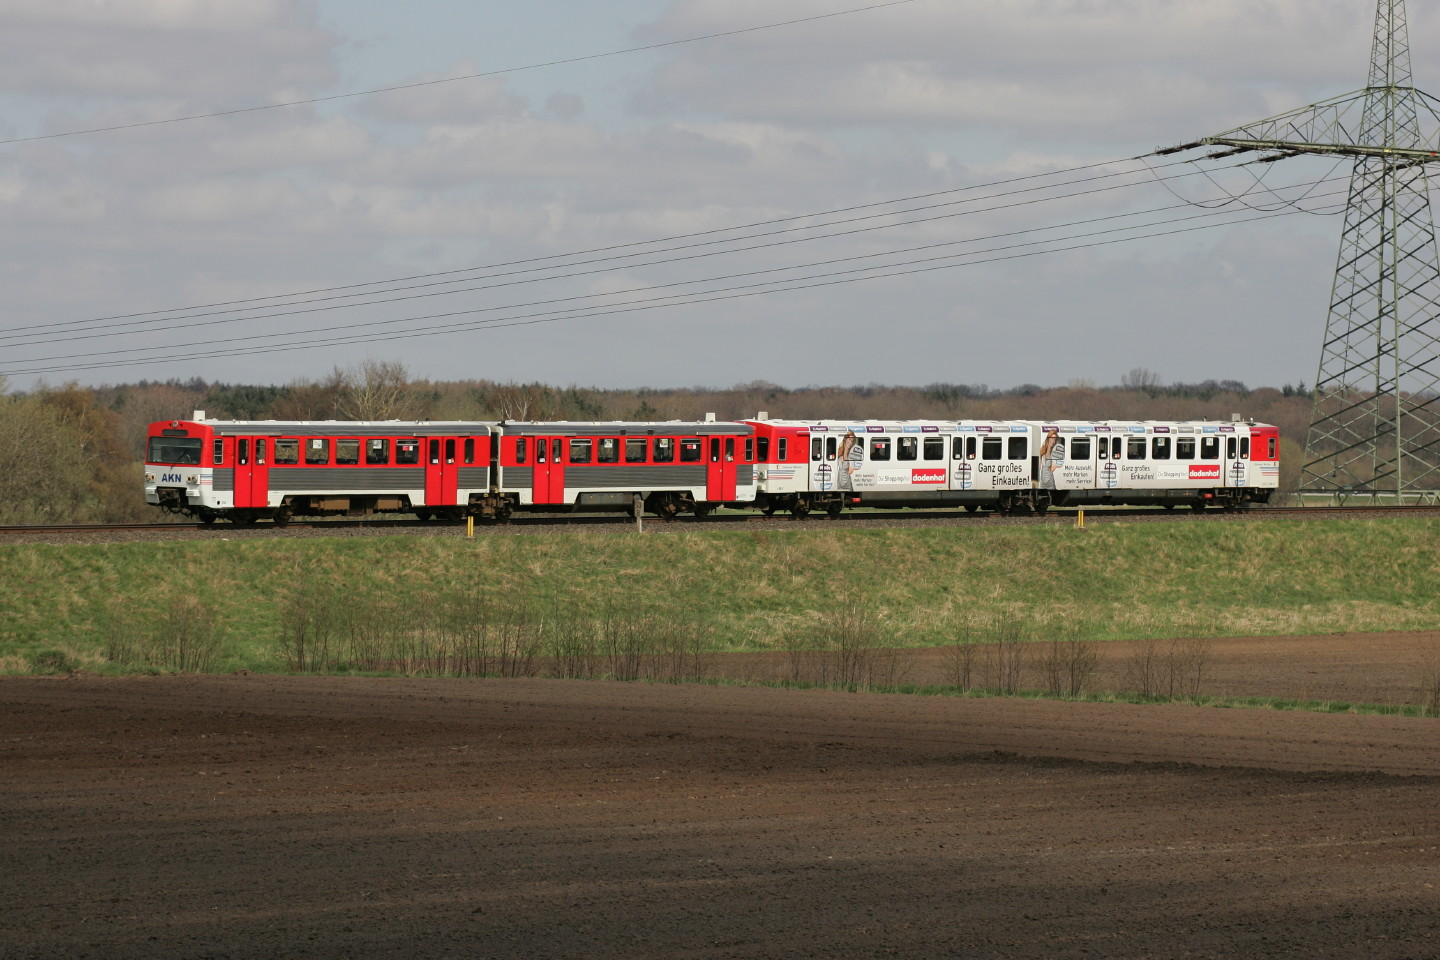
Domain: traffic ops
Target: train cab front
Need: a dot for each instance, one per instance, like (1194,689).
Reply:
(175,475)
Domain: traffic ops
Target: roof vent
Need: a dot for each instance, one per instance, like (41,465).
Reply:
(199,415)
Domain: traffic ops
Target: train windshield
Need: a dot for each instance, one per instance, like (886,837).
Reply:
(176,450)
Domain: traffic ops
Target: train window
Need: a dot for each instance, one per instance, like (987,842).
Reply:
(1018,447)
(377,451)
(1229,448)
(469,450)
(287,451)
(934,448)
(729,449)
(635,450)
(1080,448)
(260,451)
(1184,448)
(407,451)
(1244,448)
(714,449)
(179,451)
(780,450)
(763,448)
(317,452)
(217,452)
(957,448)
(521,451)
(242,452)
(879,448)
(690,450)
(1160,448)
(450,450)
(347,451)
(1115,443)
(664,450)
(579,451)
(1269,449)
(749,449)
(1209,448)
(1135,449)
(830,448)
(970,448)
(434,451)
(817,449)
(907,448)
(609,451)
(991,448)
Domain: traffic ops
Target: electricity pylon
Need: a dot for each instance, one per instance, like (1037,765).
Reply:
(1375,424)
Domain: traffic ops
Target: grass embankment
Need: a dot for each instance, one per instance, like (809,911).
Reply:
(274,604)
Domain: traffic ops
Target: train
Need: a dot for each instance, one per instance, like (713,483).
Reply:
(248,471)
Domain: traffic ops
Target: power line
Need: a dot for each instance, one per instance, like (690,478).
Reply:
(473,76)
(747,290)
(580,253)
(171,324)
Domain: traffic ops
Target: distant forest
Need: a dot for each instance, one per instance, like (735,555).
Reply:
(75,454)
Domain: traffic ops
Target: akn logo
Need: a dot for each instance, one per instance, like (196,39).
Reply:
(169,478)
(928,476)
(1204,471)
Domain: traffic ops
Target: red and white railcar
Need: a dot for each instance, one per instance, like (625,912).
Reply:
(828,465)
(249,470)
(672,467)
(1166,463)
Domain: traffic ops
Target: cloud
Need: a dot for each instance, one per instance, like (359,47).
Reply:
(186,51)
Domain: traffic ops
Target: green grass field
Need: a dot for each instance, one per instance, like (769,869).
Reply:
(766,589)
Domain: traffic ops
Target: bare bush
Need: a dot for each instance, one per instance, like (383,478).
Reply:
(1068,662)
(1170,671)
(181,633)
(1430,679)
(961,658)
(1004,665)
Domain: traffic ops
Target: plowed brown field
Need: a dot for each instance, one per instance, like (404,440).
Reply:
(331,817)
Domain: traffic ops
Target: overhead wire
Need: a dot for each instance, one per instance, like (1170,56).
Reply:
(169,318)
(595,310)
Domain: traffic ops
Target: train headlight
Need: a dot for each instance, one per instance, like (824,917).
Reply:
(149,478)
(192,479)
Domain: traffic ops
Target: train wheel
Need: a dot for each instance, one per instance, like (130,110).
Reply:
(833,511)
(422,514)
(971,507)
(800,511)
(702,510)
(282,516)
(1198,506)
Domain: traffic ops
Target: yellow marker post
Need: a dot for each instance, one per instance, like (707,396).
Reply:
(470,527)
(1079,519)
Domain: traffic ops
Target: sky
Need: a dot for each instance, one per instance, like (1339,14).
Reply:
(806,192)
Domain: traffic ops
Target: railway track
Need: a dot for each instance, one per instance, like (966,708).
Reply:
(860,519)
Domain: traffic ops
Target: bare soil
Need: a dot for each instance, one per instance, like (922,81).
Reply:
(258,816)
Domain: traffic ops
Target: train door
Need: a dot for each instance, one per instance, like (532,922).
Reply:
(1107,466)
(1237,461)
(252,472)
(720,470)
(1078,469)
(440,472)
(549,470)
(823,450)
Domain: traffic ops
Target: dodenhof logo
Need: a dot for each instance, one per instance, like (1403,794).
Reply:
(1204,471)
(932,475)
